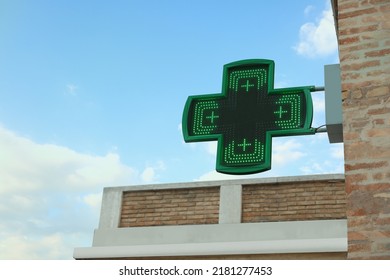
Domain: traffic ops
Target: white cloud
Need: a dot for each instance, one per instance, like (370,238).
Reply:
(337,151)
(50,196)
(318,38)
(148,175)
(93,200)
(286,151)
(71,89)
(17,246)
(214,176)
(211,148)
(28,166)
(329,160)
(309,9)
(322,167)
(319,103)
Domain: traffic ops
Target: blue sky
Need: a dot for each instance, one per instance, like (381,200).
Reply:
(92,95)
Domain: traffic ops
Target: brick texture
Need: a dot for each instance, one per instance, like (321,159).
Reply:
(170,207)
(364,49)
(300,201)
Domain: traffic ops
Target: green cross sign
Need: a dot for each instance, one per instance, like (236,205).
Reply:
(245,117)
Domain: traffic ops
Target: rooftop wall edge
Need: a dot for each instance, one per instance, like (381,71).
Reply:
(243,182)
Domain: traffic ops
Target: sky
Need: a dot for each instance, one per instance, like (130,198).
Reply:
(92,95)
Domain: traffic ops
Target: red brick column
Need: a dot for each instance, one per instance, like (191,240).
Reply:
(364,48)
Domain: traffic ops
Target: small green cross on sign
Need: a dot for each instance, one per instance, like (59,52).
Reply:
(280,112)
(245,117)
(244,144)
(247,85)
(212,117)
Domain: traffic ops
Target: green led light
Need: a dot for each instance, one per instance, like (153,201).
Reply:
(247,85)
(212,117)
(201,111)
(280,112)
(240,78)
(244,144)
(292,120)
(234,157)
(245,117)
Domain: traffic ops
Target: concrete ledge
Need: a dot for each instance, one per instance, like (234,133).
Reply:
(214,249)
(222,239)
(243,182)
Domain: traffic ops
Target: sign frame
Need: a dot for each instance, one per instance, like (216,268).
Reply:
(243,168)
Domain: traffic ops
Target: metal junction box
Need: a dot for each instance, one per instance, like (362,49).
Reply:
(333,105)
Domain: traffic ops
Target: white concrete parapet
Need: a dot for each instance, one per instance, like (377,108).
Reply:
(228,237)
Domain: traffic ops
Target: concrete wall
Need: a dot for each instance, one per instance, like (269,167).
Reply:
(364,49)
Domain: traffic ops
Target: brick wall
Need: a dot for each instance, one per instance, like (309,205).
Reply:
(170,207)
(364,49)
(258,202)
(231,219)
(304,201)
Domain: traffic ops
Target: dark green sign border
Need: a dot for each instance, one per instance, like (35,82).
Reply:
(249,168)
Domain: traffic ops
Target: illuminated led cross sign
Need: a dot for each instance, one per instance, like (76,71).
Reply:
(246,115)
